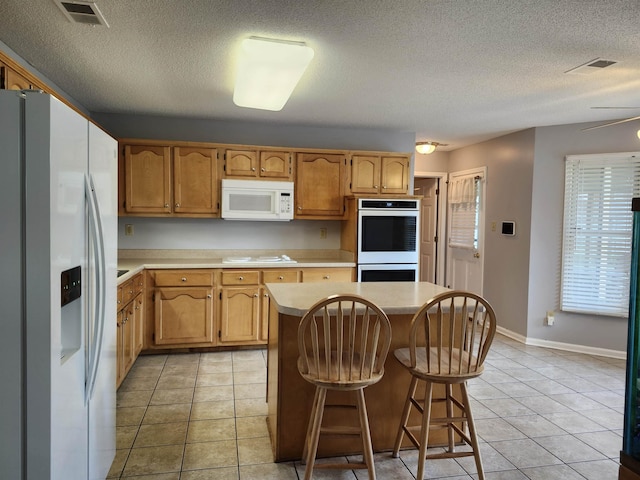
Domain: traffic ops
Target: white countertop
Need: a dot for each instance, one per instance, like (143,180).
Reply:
(162,259)
(392,297)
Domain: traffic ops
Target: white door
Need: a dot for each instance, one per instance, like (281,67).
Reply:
(427,188)
(465,235)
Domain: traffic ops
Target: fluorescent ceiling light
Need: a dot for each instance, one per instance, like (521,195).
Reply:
(268,71)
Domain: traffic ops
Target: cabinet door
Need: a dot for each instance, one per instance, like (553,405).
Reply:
(119,348)
(240,163)
(275,165)
(240,311)
(127,339)
(195,180)
(395,175)
(147,179)
(183,315)
(138,325)
(365,174)
(320,182)
(12,80)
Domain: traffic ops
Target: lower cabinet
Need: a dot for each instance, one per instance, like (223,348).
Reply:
(186,312)
(183,308)
(129,325)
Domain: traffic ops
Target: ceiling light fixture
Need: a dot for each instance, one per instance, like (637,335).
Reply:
(268,71)
(425,148)
(638,133)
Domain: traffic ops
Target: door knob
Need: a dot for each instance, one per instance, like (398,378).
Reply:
(476,255)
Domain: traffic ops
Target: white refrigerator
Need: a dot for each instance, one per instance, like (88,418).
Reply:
(58,255)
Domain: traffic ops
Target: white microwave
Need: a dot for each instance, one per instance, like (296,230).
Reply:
(257,200)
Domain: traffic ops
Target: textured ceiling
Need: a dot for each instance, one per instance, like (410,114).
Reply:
(456,71)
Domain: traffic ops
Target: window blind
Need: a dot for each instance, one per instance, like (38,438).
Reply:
(464,200)
(596,253)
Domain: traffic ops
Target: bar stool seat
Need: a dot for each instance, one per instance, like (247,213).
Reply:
(449,340)
(343,342)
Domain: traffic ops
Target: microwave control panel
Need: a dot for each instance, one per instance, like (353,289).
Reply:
(285,203)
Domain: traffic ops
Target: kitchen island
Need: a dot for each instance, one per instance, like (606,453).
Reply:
(290,397)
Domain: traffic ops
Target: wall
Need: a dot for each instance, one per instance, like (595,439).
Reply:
(221,234)
(552,144)
(509,162)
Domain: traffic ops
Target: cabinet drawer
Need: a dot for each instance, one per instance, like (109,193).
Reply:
(179,278)
(241,277)
(280,276)
(138,283)
(128,292)
(328,275)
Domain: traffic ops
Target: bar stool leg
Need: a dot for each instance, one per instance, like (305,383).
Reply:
(315,433)
(405,416)
(307,437)
(424,431)
(448,394)
(367,449)
(472,431)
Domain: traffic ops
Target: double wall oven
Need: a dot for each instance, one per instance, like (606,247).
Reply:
(388,240)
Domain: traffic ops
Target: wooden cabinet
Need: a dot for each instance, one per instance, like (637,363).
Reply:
(183,308)
(244,317)
(12,80)
(129,325)
(320,185)
(379,174)
(195,180)
(329,274)
(147,179)
(258,163)
(160,180)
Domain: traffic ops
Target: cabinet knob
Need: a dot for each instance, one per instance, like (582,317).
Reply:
(326,277)
(119,302)
(375,186)
(384,186)
(130,291)
(240,278)
(253,169)
(184,279)
(280,277)
(255,295)
(209,296)
(299,207)
(166,205)
(177,205)
(262,169)
(266,295)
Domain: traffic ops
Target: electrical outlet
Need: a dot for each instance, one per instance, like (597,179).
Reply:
(493,226)
(550,318)
(128,229)
(323,233)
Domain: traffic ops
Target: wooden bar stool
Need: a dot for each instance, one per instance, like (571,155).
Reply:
(449,340)
(343,342)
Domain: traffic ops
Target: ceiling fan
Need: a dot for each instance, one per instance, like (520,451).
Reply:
(631,119)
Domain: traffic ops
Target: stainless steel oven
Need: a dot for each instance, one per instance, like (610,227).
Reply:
(388,239)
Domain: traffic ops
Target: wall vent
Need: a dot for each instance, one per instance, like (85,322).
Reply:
(78,11)
(591,66)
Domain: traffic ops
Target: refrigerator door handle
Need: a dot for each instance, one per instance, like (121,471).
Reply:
(97,332)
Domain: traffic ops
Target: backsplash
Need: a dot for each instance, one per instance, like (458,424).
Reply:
(218,234)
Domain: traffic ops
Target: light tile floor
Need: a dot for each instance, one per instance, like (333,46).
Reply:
(541,414)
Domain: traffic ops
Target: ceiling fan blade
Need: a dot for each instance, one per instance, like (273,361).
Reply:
(612,123)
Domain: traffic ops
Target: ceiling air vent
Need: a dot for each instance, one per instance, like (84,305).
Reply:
(591,66)
(86,13)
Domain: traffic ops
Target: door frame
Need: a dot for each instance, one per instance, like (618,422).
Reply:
(441,229)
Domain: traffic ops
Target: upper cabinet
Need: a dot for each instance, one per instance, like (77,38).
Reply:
(379,174)
(12,80)
(164,180)
(265,164)
(320,185)
(195,180)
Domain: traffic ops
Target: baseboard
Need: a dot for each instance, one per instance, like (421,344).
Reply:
(568,347)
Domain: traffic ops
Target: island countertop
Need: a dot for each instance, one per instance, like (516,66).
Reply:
(394,298)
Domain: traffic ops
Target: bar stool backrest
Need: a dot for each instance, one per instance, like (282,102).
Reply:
(343,342)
